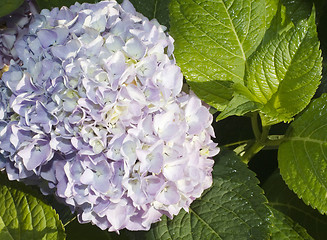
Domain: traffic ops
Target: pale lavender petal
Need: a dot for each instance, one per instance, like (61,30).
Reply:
(169,194)
(114,151)
(135,48)
(87,177)
(66,51)
(153,184)
(174,171)
(36,153)
(47,37)
(171,78)
(117,216)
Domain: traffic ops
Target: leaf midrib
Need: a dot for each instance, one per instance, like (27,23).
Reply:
(306,139)
(222,47)
(199,52)
(204,222)
(5,228)
(233,29)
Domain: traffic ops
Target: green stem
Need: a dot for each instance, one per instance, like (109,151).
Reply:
(255,127)
(264,134)
(253,150)
(261,139)
(69,221)
(271,147)
(237,143)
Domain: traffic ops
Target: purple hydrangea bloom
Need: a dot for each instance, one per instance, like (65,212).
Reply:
(97,112)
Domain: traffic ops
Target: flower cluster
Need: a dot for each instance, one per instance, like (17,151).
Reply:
(97,113)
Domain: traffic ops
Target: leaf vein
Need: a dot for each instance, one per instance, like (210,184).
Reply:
(228,210)
(306,139)
(205,223)
(10,193)
(206,34)
(298,166)
(216,63)
(320,180)
(233,29)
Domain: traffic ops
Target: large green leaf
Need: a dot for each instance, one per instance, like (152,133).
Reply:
(214,38)
(285,72)
(234,208)
(302,157)
(284,228)
(23,215)
(284,200)
(8,6)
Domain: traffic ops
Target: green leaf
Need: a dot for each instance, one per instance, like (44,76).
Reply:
(271,9)
(285,72)
(280,23)
(8,6)
(239,106)
(284,228)
(24,215)
(214,38)
(302,157)
(234,208)
(284,200)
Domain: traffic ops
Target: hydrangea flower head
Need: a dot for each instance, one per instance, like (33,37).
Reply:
(97,112)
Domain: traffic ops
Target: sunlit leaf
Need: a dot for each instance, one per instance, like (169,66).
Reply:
(24,215)
(284,73)
(302,157)
(214,38)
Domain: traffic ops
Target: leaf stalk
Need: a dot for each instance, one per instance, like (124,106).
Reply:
(261,139)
